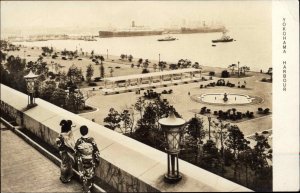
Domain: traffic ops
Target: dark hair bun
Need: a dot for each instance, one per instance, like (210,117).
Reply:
(84,130)
(62,122)
(69,123)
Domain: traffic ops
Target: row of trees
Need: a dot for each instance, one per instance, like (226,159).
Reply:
(60,89)
(128,57)
(240,70)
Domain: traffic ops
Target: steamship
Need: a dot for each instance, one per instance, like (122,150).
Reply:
(132,31)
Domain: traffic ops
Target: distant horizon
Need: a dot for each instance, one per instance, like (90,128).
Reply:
(23,18)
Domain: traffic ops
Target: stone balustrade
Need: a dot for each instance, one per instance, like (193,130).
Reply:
(126,164)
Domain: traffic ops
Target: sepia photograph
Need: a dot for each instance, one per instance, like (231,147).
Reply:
(149,96)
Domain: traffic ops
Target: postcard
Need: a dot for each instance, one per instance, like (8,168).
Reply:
(149,96)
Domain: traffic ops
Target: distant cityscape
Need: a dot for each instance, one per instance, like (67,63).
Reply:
(134,30)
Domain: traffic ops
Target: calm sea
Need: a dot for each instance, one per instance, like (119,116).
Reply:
(253,47)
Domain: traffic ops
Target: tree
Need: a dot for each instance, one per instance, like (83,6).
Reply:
(210,154)
(196,65)
(113,119)
(127,119)
(146,64)
(130,57)
(140,106)
(236,142)
(245,69)
(225,74)
(145,70)
(140,61)
(232,67)
(101,70)
(184,63)
(15,64)
(75,100)
(46,90)
(162,65)
(261,153)
(173,66)
(101,59)
(148,128)
(195,128)
(221,134)
(245,158)
(2,56)
(89,73)
(122,56)
(15,68)
(74,74)
(59,97)
(154,67)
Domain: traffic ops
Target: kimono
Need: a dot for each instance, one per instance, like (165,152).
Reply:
(65,143)
(88,158)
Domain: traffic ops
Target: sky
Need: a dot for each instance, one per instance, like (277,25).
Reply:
(33,17)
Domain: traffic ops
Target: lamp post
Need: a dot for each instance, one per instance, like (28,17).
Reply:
(30,79)
(159,58)
(172,128)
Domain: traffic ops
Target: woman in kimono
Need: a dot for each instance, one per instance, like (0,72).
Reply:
(88,158)
(65,143)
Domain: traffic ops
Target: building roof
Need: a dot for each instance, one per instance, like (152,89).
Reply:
(152,74)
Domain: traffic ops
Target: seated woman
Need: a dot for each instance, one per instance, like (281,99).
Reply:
(65,142)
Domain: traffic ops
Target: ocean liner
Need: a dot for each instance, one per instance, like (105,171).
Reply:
(132,31)
(185,30)
(202,29)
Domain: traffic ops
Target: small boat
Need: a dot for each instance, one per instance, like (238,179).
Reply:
(169,38)
(213,45)
(224,38)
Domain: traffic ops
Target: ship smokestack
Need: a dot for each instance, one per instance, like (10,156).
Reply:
(133,24)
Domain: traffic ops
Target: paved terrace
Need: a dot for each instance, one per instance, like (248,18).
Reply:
(24,169)
(126,164)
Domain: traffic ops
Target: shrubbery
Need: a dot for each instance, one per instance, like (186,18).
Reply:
(225,74)
(167,92)
(92,84)
(231,114)
(211,73)
(204,110)
(144,71)
(263,111)
(220,82)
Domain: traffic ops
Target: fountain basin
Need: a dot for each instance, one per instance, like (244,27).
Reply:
(233,99)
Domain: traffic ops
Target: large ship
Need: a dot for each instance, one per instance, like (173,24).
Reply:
(185,30)
(202,29)
(132,31)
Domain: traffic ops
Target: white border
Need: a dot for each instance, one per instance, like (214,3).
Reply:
(285,103)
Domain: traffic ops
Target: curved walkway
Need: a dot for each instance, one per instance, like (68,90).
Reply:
(24,169)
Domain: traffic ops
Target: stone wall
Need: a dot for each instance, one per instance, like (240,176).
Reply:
(126,164)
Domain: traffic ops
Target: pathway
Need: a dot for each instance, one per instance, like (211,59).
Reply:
(24,169)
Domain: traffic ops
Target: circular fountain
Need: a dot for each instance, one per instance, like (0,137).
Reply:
(226,99)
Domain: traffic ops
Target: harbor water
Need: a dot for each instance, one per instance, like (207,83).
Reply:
(252,47)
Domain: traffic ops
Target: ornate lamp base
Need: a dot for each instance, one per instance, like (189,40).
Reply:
(172,178)
(31,105)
